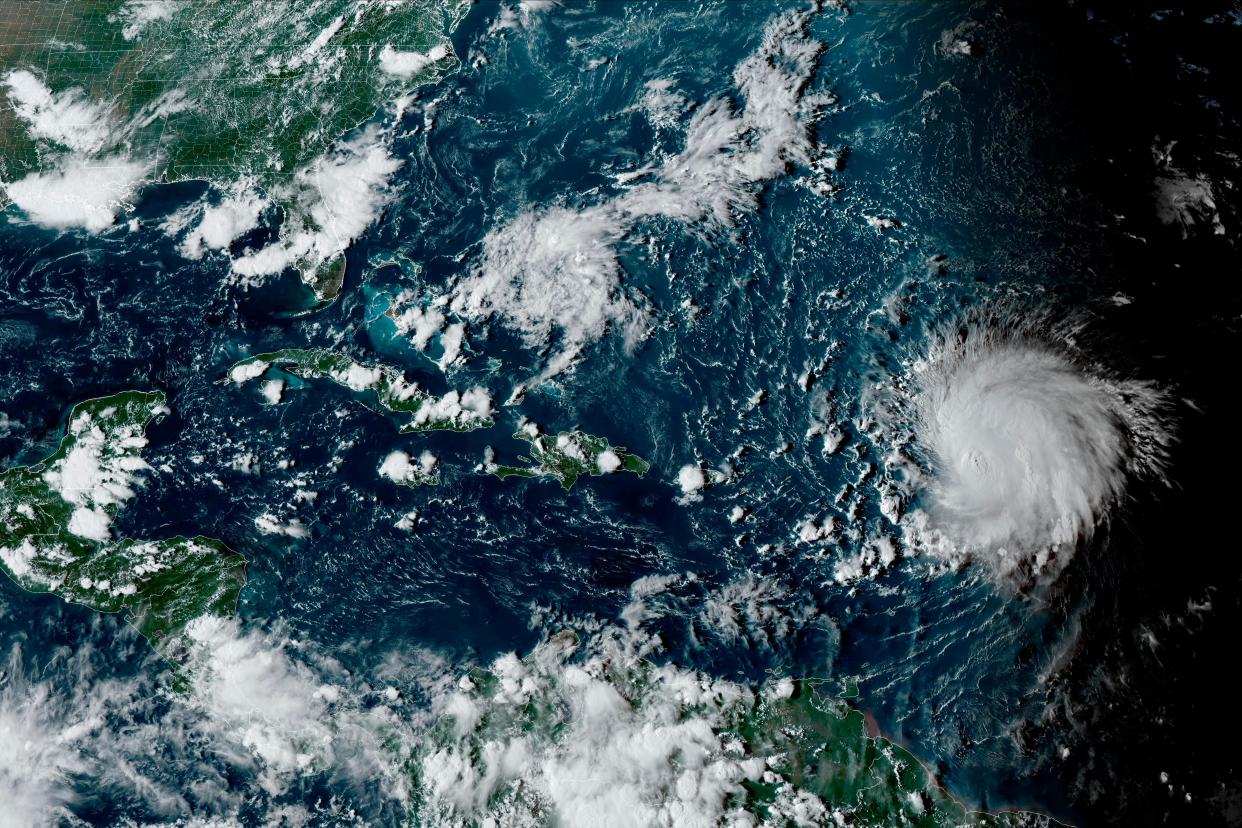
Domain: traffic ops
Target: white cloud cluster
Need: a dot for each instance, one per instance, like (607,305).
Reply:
(422,322)
(359,377)
(400,468)
(255,701)
(219,225)
(875,556)
(419,323)
(608,461)
(691,478)
(68,721)
(78,193)
(554,270)
(271,704)
(335,199)
(728,152)
(68,118)
(246,371)
(283,711)
(614,741)
(37,754)
(269,524)
(99,472)
(604,737)
(469,406)
(313,49)
(136,15)
(749,607)
(662,106)
(88,184)
(409,64)
(1187,202)
(526,14)
(557,270)
(1027,448)
(273,391)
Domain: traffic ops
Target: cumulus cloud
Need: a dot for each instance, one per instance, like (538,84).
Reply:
(607,740)
(36,760)
(69,726)
(334,200)
(1187,202)
(221,224)
(424,321)
(273,391)
(259,715)
(691,478)
(84,182)
(748,608)
(409,64)
(602,736)
(68,118)
(101,470)
(79,193)
(136,15)
(419,323)
(400,468)
(556,270)
(271,704)
(661,104)
(269,524)
(470,406)
(284,711)
(526,14)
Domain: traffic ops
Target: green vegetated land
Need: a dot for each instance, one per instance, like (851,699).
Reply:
(382,387)
(570,455)
(217,90)
(244,95)
(56,537)
(791,755)
(826,749)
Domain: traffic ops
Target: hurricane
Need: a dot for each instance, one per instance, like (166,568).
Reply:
(1025,445)
(562,413)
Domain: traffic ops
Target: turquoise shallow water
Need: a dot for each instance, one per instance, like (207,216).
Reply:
(988,169)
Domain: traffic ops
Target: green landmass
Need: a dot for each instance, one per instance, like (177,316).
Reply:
(260,91)
(413,472)
(550,733)
(825,748)
(568,456)
(233,92)
(55,533)
(383,388)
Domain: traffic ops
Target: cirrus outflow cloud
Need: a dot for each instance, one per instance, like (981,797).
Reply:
(1017,448)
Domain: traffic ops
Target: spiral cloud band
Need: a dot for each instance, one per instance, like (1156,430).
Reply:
(1022,449)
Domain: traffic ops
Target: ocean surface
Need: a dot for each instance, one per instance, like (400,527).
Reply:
(1015,172)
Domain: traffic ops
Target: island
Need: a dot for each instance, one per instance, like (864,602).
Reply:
(383,389)
(568,456)
(404,470)
(56,528)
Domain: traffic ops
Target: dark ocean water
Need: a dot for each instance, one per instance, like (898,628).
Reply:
(1021,172)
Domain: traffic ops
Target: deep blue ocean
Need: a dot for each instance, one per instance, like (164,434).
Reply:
(992,169)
